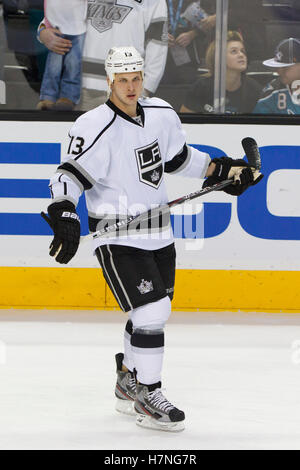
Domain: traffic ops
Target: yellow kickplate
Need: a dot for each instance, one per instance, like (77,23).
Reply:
(194,289)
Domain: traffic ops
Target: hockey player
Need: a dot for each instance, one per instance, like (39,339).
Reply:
(282,95)
(118,153)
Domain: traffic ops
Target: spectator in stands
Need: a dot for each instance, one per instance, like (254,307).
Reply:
(242,92)
(140,24)
(61,85)
(282,95)
(185,39)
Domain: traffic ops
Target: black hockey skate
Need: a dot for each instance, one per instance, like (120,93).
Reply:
(125,390)
(154,411)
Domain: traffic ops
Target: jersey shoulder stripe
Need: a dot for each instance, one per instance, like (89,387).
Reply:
(160,107)
(154,103)
(97,137)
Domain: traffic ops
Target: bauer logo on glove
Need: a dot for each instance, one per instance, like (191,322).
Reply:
(72,215)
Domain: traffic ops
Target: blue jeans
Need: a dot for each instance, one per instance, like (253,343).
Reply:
(62,75)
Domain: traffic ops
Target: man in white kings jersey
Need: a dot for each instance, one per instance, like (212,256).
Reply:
(118,153)
(142,23)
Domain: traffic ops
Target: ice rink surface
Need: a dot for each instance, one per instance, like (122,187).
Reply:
(236,376)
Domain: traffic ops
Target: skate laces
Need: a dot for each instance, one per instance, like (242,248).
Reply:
(131,381)
(157,399)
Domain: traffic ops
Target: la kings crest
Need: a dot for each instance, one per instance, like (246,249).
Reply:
(103,13)
(149,164)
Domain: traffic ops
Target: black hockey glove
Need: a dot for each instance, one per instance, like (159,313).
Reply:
(65,224)
(242,173)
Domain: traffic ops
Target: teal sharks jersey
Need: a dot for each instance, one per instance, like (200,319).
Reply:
(278,99)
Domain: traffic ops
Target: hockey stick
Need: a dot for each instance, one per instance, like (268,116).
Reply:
(253,157)
(156,212)
(150,214)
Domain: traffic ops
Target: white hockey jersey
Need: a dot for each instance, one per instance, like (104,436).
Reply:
(114,23)
(120,162)
(67,15)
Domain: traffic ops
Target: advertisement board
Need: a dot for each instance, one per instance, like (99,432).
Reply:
(217,236)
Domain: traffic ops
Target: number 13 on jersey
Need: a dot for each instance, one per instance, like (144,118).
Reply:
(76,145)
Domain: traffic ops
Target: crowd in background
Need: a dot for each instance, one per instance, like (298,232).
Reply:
(61,47)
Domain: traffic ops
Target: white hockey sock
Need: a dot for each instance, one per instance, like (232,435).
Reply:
(147,340)
(148,352)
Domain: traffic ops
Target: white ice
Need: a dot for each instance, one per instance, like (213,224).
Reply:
(236,376)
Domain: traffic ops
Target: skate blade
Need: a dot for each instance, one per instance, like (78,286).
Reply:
(147,422)
(125,407)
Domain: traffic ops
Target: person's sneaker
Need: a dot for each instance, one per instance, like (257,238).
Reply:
(64,104)
(45,105)
(125,390)
(154,411)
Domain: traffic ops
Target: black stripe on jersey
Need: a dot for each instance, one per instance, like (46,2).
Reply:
(139,112)
(93,223)
(157,31)
(97,138)
(177,161)
(160,221)
(101,222)
(79,176)
(162,107)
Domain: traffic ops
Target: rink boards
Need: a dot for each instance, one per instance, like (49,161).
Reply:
(232,253)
